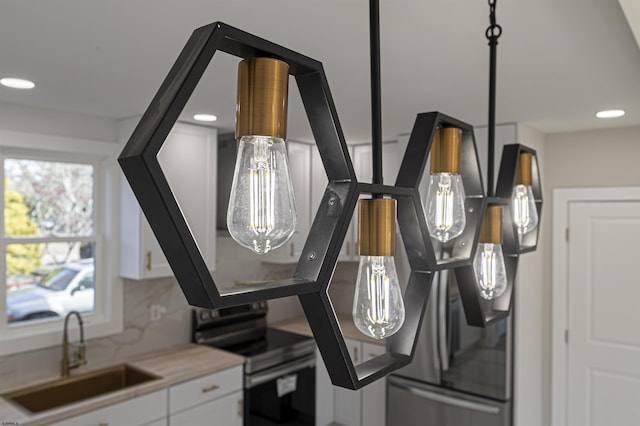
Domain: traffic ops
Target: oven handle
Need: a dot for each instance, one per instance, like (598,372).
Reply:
(273,373)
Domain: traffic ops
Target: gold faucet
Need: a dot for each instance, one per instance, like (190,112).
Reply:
(79,357)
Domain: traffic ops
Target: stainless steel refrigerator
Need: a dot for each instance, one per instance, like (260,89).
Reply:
(460,375)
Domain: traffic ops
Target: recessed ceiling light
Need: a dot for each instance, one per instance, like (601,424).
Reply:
(17,83)
(205,117)
(610,113)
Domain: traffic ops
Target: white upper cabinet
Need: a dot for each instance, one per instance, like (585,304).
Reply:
(361,157)
(319,183)
(300,170)
(188,159)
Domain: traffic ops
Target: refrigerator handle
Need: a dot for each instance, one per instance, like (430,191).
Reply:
(443,300)
(449,400)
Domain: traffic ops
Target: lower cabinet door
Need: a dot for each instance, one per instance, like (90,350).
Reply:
(225,411)
(374,395)
(348,403)
(138,411)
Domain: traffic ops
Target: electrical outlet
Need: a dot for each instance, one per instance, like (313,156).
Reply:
(157,311)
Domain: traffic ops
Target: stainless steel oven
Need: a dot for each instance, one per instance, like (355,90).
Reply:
(279,369)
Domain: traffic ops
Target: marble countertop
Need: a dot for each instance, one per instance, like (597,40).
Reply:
(300,325)
(172,365)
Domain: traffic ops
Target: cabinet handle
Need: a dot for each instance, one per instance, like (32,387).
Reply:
(149,260)
(240,408)
(291,251)
(348,248)
(210,388)
(355,354)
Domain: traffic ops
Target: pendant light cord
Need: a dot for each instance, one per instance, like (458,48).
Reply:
(376,103)
(493,33)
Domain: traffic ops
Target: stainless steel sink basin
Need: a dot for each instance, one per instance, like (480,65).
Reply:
(73,389)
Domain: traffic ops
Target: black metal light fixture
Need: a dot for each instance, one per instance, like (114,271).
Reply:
(447,242)
(510,220)
(140,165)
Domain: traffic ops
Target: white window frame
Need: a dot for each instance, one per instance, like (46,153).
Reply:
(107,319)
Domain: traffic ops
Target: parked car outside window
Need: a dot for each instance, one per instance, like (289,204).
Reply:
(71,287)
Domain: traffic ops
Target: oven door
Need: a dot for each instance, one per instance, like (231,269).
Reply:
(281,395)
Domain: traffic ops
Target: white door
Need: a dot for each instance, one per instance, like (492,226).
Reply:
(603,368)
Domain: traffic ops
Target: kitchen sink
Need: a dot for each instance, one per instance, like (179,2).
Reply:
(73,389)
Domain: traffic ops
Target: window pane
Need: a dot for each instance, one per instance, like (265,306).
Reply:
(49,280)
(48,198)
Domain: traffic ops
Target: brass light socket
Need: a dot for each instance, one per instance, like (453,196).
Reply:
(491,231)
(523,170)
(377,227)
(261,109)
(445,150)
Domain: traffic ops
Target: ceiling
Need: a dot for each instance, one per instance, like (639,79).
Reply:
(559,61)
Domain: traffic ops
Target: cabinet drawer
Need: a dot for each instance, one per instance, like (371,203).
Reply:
(226,411)
(204,389)
(137,411)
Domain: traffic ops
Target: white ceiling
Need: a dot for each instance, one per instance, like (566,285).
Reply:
(559,61)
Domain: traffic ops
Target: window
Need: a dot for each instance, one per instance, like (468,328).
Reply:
(56,243)
(49,239)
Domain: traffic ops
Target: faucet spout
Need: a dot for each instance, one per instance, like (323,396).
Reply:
(79,357)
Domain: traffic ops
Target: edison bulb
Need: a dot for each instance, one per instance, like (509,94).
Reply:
(446,217)
(490,270)
(262,213)
(525,215)
(378,309)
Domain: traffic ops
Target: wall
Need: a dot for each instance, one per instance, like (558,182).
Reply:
(597,158)
(529,384)
(58,123)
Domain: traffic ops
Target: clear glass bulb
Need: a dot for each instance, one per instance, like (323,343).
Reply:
(262,211)
(525,215)
(491,273)
(446,217)
(378,308)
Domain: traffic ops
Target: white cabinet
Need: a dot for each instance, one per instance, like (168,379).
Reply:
(188,159)
(367,406)
(361,157)
(374,396)
(319,183)
(347,403)
(212,400)
(150,409)
(505,134)
(215,400)
(300,169)
(225,411)
(324,393)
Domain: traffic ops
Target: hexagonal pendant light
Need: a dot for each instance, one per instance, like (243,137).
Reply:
(141,167)
(400,346)
(507,177)
(413,166)
(318,259)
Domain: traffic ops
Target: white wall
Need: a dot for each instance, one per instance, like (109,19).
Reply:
(529,384)
(57,123)
(595,158)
